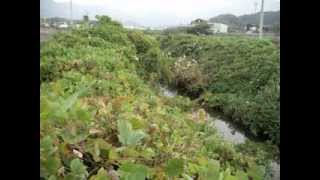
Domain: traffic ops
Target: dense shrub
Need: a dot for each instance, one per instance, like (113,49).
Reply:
(198,29)
(142,42)
(175,30)
(101,120)
(187,76)
(150,57)
(242,78)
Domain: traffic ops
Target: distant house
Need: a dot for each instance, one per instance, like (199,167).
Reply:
(63,25)
(218,27)
(47,25)
(54,24)
(251,27)
(267,28)
(198,21)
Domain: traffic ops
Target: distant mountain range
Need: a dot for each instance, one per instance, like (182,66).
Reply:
(231,20)
(271,18)
(50,9)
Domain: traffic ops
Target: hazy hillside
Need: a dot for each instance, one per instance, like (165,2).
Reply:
(230,19)
(270,18)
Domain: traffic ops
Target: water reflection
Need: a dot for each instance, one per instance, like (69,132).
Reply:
(227,131)
(224,129)
(275,170)
(168,93)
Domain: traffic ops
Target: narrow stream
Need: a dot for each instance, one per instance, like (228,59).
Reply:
(225,129)
(168,92)
(228,132)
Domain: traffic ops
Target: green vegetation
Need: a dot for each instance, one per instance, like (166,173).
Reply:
(103,118)
(236,76)
(176,30)
(202,28)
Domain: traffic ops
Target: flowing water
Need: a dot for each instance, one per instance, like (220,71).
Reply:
(224,128)
(228,132)
(168,93)
(275,170)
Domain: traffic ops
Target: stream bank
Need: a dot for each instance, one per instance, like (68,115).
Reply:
(228,131)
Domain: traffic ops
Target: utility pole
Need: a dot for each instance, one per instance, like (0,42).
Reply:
(261,20)
(71,18)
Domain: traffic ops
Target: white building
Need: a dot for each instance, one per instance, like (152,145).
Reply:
(253,28)
(46,25)
(63,25)
(135,27)
(218,27)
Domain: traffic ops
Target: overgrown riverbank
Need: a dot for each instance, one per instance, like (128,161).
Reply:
(243,141)
(102,116)
(238,77)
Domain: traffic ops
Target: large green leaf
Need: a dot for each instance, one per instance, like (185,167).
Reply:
(46,145)
(101,175)
(174,167)
(130,171)
(211,171)
(49,162)
(83,114)
(49,166)
(78,171)
(96,147)
(74,132)
(230,177)
(70,101)
(256,172)
(242,175)
(52,178)
(113,154)
(127,135)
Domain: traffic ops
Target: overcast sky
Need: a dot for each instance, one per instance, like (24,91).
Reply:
(170,12)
